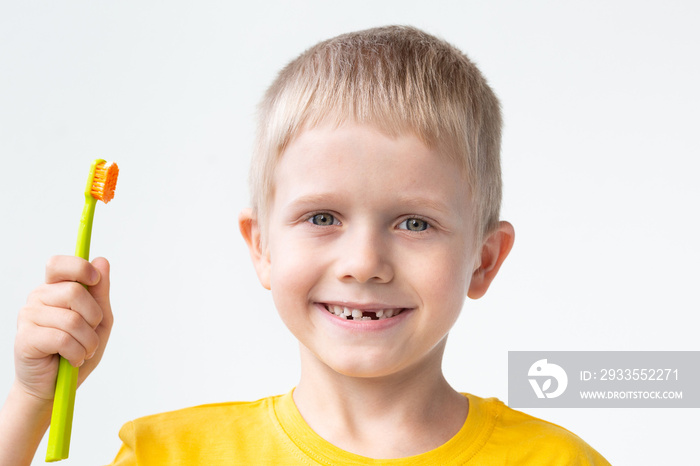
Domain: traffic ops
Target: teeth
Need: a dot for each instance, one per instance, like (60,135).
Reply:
(356,314)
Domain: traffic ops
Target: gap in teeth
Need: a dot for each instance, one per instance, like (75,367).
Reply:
(356,314)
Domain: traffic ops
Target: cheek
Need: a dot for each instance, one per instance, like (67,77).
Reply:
(445,281)
(293,275)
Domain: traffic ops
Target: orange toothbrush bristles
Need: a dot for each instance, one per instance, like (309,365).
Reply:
(104,181)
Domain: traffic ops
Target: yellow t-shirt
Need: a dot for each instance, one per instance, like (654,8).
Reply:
(271,431)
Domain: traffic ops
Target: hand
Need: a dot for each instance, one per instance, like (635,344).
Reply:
(63,317)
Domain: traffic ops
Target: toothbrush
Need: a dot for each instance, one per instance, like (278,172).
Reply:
(100,186)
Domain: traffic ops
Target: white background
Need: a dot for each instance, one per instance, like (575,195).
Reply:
(600,162)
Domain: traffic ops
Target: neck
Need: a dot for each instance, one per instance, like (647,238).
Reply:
(406,413)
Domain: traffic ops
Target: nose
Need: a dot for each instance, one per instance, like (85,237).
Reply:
(365,256)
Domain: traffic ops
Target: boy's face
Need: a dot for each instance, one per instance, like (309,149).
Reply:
(377,225)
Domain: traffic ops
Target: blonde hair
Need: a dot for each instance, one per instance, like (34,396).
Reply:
(398,79)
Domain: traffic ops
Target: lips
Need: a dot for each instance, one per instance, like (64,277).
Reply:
(350,313)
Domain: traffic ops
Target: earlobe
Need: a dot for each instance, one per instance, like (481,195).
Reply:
(493,252)
(250,230)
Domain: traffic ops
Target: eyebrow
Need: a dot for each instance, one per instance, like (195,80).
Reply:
(404,201)
(321,198)
(432,204)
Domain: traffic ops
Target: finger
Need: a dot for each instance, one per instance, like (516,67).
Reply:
(46,341)
(71,268)
(67,295)
(71,324)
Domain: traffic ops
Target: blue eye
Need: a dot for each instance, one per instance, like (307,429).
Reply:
(414,224)
(323,220)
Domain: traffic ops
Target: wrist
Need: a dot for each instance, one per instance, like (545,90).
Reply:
(22,396)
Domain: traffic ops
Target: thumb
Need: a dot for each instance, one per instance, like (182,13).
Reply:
(100,291)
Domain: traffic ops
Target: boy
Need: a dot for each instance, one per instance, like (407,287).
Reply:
(375,212)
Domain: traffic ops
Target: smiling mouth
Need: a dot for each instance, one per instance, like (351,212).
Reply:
(349,313)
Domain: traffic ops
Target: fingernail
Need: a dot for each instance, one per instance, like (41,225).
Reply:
(89,356)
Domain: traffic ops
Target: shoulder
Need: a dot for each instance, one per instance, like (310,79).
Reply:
(240,415)
(221,433)
(525,439)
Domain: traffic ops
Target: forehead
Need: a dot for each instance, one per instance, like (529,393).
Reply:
(361,161)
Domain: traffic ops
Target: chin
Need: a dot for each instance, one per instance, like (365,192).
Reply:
(364,367)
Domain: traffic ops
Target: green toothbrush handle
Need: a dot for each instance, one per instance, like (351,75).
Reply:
(62,414)
(67,378)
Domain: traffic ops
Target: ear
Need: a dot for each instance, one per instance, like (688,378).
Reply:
(248,224)
(494,251)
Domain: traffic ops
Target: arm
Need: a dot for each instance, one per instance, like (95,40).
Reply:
(60,317)
(23,422)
